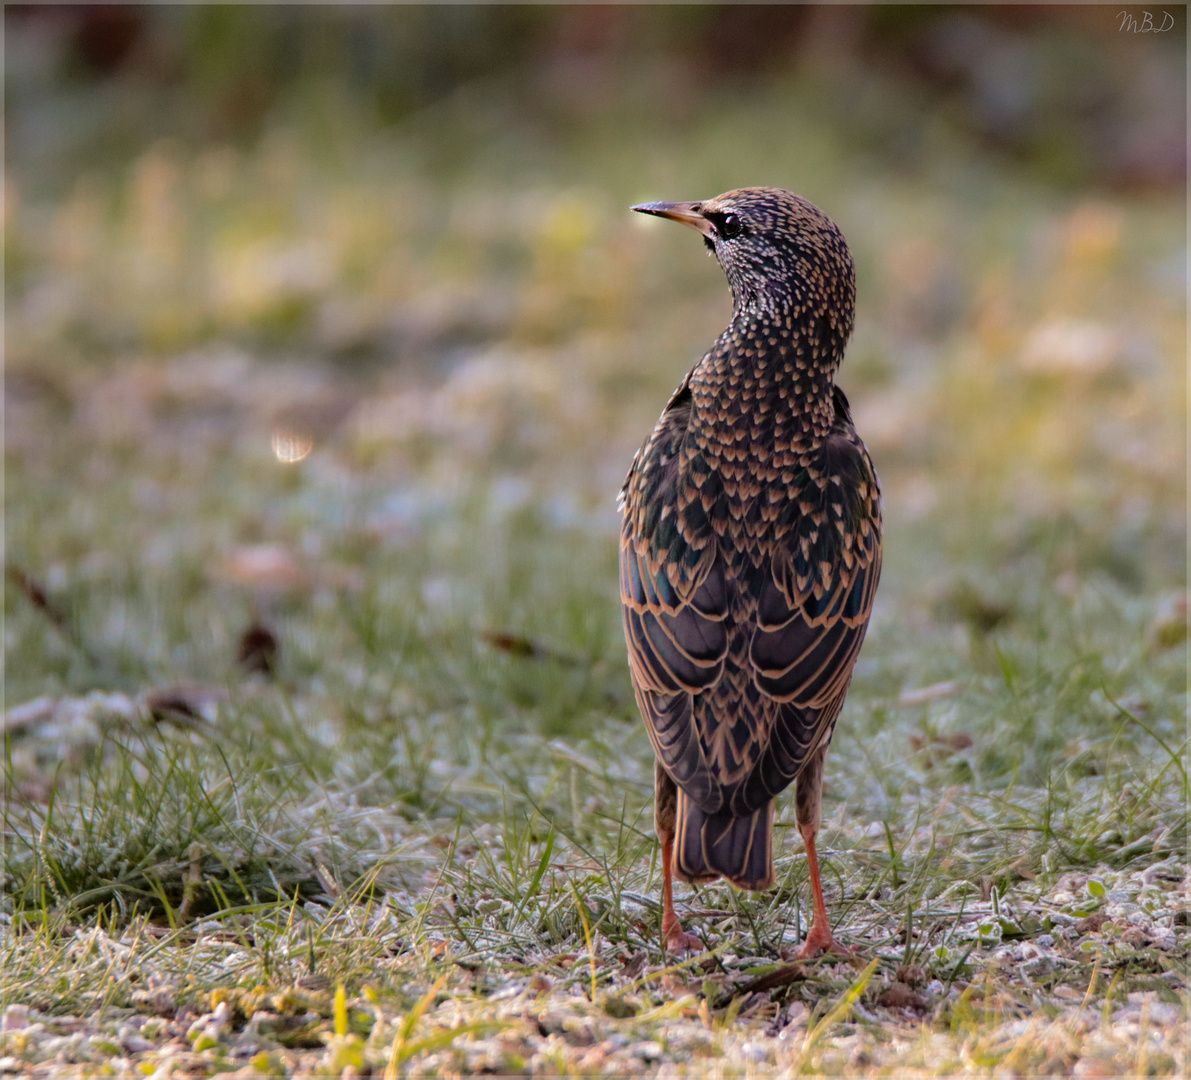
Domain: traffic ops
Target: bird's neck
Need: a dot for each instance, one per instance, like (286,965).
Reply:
(798,352)
(803,296)
(776,372)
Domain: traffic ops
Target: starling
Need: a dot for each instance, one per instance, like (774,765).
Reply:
(750,553)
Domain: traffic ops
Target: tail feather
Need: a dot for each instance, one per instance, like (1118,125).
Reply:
(716,845)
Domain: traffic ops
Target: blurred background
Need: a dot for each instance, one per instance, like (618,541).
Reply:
(332,322)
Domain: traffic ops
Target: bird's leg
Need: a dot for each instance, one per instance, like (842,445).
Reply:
(665,796)
(819,938)
(677,940)
(808,801)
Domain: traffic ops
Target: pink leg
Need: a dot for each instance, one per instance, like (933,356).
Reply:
(677,940)
(820,938)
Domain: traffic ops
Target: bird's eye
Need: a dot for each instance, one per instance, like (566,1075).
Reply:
(731,227)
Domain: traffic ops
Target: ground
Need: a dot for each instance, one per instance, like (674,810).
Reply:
(321,755)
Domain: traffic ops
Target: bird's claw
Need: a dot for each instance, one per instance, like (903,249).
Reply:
(820,940)
(679,942)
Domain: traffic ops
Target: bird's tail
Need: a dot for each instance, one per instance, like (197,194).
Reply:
(708,846)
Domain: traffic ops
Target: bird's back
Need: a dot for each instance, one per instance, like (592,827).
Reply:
(740,485)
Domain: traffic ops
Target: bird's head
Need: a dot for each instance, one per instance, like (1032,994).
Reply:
(782,255)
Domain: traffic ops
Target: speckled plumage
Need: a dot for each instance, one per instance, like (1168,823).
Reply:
(751,543)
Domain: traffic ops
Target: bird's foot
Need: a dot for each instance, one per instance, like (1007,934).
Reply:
(678,941)
(819,940)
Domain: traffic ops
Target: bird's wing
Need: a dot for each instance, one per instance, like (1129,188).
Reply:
(814,607)
(674,601)
(813,604)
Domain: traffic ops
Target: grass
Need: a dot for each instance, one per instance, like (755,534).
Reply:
(422,844)
(396,825)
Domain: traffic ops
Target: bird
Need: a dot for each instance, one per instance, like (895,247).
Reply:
(750,552)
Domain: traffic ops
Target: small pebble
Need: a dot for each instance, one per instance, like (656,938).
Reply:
(753,1052)
(136,1044)
(16,1017)
(648,1051)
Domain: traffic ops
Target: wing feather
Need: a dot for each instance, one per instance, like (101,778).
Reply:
(735,708)
(675,602)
